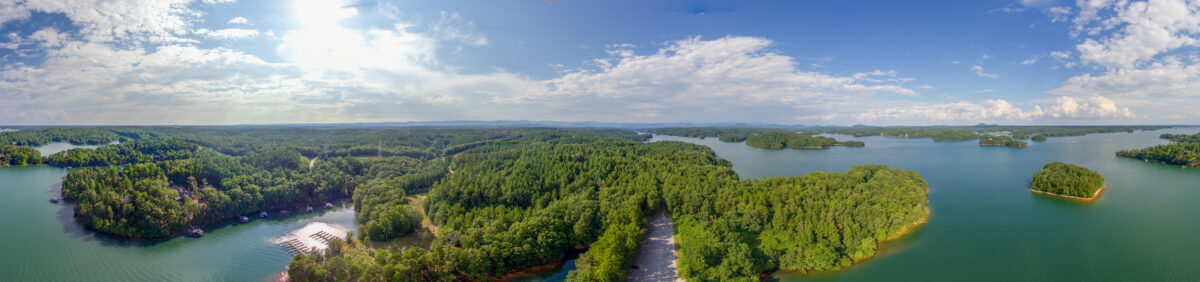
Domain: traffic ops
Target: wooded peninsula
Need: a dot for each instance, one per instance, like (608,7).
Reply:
(1184,150)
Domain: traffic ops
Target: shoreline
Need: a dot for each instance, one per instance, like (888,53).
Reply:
(1095,195)
(909,228)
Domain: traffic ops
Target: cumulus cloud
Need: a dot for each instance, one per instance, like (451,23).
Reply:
(696,78)
(1143,30)
(1135,44)
(238,20)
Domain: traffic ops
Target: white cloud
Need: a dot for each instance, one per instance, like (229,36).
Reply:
(1030,60)
(228,33)
(989,90)
(111,20)
(1059,14)
(48,37)
(238,20)
(978,70)
(12,11)
(452,27)
(1136,45)
(1141,31)
(695,79)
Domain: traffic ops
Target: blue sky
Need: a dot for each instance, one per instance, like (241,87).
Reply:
(790,62)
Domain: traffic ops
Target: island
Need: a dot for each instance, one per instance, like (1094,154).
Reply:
(1038,138)
(1068,181)
(1184,151)
(782,139)
(1000,140)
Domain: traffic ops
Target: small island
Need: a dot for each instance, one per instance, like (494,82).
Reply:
(781,139)
(733,137)
(1068,181)
(1000,140)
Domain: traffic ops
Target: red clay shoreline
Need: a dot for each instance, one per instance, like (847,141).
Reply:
(1095,195)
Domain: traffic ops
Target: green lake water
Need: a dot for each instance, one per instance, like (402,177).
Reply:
(986,225)
(41,241)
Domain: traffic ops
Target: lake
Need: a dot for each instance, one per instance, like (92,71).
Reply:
(42,242)
(986,225)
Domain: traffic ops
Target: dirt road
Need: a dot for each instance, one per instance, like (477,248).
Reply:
(656,255)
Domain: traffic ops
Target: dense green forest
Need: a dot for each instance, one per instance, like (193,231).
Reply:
(1184,150)
(783,139)
(518,205)
(1067,179)
(1000,140)
(18,155)
(1038,138)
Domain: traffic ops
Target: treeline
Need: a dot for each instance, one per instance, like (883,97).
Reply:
(1000,140)
(938,134)
(782,139)
(1181,138)
(733,137)
(150,200)
(141,151)
(1183,151)
(1067,179)
(1024,132)
(705,132)
(18,155)
(76,135)
(511,206)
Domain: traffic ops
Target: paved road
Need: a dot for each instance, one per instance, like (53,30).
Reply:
(656,255)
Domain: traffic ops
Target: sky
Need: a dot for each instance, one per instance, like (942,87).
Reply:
(1037,62)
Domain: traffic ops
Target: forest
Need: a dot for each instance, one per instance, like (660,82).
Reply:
(1066,179)
(19,155)
(1184,150)
(512,206)
(1000,140)
(783,139)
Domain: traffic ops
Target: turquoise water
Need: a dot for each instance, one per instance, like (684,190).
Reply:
(986,225)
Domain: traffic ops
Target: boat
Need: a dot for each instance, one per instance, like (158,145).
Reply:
(54,199)
(328,205)
(262,214)
(243,219)
(195,232)
(308,209)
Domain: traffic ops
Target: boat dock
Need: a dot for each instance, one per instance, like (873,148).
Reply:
(310,239)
